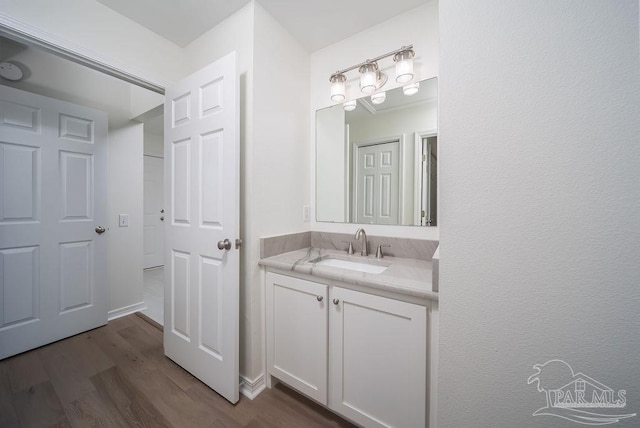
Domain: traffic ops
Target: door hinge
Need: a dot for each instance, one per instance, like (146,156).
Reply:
(422,214)
(424,158)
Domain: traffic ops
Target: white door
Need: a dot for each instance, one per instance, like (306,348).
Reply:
(202,211)
(153,241)
(53,197)
(377,183)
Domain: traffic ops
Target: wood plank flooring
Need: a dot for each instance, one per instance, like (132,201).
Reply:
(118,376)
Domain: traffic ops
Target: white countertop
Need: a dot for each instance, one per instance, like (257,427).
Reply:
(404,276)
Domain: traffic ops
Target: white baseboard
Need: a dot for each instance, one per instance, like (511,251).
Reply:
(252,388)
(127,310)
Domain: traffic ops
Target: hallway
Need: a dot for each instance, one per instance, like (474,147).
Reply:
(154,294)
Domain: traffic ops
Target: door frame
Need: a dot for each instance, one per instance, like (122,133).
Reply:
(417,183)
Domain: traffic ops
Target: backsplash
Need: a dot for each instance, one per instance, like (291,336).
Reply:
(274,245)
(421,249)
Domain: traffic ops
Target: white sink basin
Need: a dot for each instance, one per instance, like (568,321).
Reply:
(349,265)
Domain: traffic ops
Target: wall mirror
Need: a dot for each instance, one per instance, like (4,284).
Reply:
(377,163)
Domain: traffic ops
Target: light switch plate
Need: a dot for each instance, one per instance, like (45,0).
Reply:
(123,220)
(306,213)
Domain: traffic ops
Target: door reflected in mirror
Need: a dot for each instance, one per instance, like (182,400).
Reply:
(378,163)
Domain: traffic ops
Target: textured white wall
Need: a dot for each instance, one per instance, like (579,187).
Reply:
(126,285)
(278,172)
(540,201)
(418,27)
(153,144)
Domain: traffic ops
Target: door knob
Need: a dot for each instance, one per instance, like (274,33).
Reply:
(162,211)
(336,301)
(100,230)
(319,298)
(161,218)
(224,245)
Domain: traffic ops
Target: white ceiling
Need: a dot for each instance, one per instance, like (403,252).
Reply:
(180,21)
(315,23)
(49,75)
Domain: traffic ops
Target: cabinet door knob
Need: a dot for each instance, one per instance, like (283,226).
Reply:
(336,301)
(319,298)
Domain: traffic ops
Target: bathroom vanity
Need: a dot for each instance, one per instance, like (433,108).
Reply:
(356,334)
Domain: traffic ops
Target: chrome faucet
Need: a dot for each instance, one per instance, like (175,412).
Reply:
(359,232)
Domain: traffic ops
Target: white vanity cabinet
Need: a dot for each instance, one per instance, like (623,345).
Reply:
(362,355)
(297,329)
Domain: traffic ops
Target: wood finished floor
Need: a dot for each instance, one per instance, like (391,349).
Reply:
(118,376)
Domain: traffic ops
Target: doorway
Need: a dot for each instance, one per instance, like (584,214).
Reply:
(51,76)
(429,175)
(154,218)
(153,188)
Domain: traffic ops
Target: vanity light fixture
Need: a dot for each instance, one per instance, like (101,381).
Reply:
(411,89)
(371,77)
(404,65)
(350,105)
(378,97)
(338,86)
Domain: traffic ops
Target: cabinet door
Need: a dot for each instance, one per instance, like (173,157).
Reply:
(297,334)
(378,359)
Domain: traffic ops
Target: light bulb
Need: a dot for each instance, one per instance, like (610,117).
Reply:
(350,105)
(411,89)
(404,65)
(379,97)
(369,77)
(338,87)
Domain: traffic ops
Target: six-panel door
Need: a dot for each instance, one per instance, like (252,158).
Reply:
(202,207)
(377,183)
(52,198)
